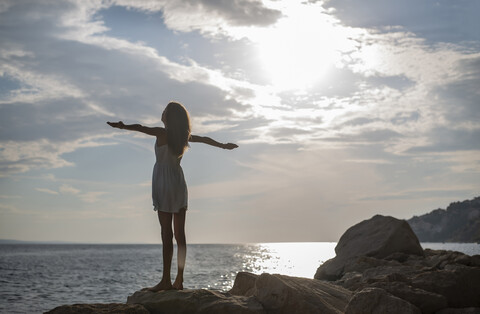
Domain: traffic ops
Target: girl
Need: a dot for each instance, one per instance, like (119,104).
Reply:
(169,190)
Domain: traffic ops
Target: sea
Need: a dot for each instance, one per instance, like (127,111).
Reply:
(35,278)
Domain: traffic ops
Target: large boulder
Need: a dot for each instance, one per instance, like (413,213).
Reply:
(285,294)
(195,301)
(378,237)
(378,301)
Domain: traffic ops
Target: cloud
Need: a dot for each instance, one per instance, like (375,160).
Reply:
(447,194)
(322,191)
(68,189)
(439,21)
(208,16)
(48,191)
(379,91)
(71,78)
(21,156)
(91,197)
(448,140)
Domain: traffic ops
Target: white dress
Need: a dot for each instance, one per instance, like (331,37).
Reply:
(169,189)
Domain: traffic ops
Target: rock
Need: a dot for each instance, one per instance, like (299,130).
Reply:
(285,294)
(244,284)
(357,281)
(331,269)
(389,274)
(377,237)
(427,302)
(112,308)
(362,263)
(195,301)
(351,281)
(251,294)
(441,258)
(378,301)
(458,283)
(474,261)
(468,310)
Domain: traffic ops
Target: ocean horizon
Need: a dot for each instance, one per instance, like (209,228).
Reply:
(36,277)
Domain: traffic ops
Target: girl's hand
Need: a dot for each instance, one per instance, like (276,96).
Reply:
(118,124)
(229,146)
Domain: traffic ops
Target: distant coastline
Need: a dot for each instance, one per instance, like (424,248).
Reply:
(458,223)
(10,241)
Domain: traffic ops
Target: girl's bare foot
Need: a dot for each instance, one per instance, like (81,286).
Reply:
(161,286)
(178,285)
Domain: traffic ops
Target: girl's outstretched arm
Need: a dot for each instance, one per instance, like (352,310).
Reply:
(137,127)
(209,141)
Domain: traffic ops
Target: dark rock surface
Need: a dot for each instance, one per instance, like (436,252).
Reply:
(378,301)
(195,301)
(251,293)
(283,294)
(433,281)
(111,308)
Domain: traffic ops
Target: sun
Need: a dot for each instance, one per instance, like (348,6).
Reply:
(298,50)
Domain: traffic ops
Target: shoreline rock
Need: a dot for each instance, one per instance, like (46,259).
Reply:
(432,281)
(265,293)
(100,308)
(251,294)
(380,267)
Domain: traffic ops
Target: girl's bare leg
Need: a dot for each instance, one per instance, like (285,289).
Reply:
(167,244)
(179,227)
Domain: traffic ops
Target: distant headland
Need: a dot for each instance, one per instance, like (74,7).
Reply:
(460,222)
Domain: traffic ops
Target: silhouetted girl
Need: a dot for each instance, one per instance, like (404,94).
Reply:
(169,190)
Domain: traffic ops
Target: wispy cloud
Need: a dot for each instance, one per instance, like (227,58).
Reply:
(68,189)
(48,191)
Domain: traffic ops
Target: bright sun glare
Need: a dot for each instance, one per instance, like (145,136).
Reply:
(297,51)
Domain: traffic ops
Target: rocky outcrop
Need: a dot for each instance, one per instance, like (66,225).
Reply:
(378,301)
(112,308)
(429,282)
(251,293)
(460,222)
(195,301)
(284,295)
(377,237)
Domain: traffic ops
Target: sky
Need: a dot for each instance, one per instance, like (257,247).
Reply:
(341,109)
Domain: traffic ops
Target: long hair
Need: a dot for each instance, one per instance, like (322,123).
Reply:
(178,128)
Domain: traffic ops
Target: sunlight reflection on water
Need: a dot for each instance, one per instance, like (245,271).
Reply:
(293,259)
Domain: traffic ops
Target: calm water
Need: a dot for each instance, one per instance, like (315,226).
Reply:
(39,277)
